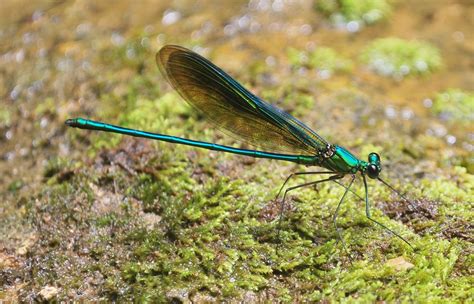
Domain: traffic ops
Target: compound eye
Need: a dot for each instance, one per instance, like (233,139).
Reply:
(374,158)
(372,171)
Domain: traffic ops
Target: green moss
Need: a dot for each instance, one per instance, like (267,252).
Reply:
(454,104)
(326,60)
(398,58)
(362,11)
(163,113)
(212,240)
(143,113)
(453,190)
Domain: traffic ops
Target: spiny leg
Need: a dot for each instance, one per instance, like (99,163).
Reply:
(300,173)
(282,210)
(334,218)
(367,212)
(314,173)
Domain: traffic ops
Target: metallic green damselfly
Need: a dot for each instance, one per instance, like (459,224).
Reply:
(231,107)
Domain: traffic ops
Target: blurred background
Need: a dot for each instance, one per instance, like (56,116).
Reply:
(394,77)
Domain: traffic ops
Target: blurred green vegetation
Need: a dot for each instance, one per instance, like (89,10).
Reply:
(323,59)
(363,11)
(5,117)
(398,58)
(455,105)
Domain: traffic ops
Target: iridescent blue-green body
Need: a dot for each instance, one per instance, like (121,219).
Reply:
(232,108)
(334,158)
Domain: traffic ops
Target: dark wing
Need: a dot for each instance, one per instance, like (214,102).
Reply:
(230,106)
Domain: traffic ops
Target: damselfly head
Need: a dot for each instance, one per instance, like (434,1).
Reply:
(373,166)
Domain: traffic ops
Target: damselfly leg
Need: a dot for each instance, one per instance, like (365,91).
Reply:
(367,212)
